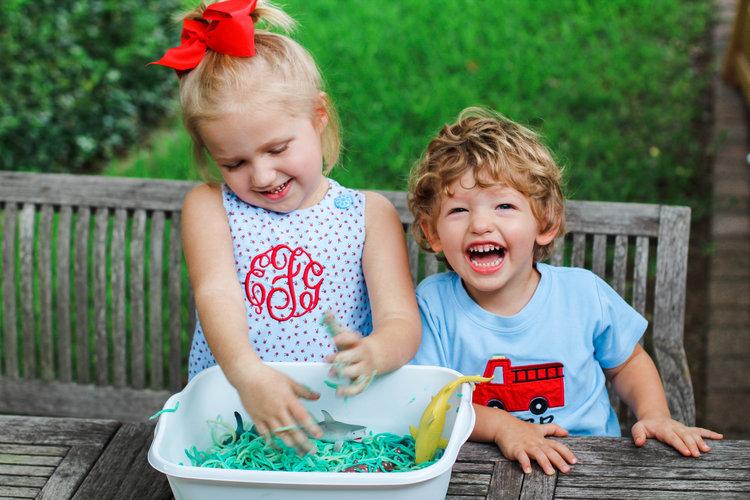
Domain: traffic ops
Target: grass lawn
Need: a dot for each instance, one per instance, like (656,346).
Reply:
(611,85)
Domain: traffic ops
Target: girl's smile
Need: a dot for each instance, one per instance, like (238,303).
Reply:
(268,157)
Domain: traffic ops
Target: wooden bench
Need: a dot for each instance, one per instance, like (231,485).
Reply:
(95,296)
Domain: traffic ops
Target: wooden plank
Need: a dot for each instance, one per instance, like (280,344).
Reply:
(44,265)
(175,304)
(26,470)
(726,454)
(474,467)
(64,360)
(71,471)
(413,248)
(430,264)
(101,219)
(93,191)
(640,274)
(26,248)
(35,397)
(80,270)
(8,480)
(558,251)
(640,483)
(507,480)
(537,484)
(137,324)
(669,311)
(10,343)
(620,264)
(607,492)
(18,459)
(599,257)
(30,449)
(593,217)
(578,256)
(119,363)
(71,432)
(654,471)
(156,331)
(125,457)
(18,492)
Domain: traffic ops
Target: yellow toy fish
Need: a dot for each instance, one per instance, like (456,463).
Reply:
(428,436)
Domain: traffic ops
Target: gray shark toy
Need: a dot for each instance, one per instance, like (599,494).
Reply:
(338,432)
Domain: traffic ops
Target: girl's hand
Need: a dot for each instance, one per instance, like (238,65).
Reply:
(523,441)
(272,401)
(355,360)
(687,440)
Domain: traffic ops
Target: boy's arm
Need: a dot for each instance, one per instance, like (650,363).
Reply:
(523,441)
(637,382)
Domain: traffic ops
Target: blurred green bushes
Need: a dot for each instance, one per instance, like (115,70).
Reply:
(75,88)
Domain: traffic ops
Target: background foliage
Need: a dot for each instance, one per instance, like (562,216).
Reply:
(613,86)
(75,88)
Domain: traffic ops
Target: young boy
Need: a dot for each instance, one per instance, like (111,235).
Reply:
(487,195)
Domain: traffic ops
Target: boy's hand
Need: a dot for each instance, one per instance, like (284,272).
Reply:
(354,360)
(687,440)
(271,398)
(523,441)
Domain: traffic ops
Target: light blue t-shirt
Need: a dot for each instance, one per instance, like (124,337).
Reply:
(574,326)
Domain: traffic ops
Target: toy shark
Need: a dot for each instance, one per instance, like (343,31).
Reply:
(428,435)
(338,432)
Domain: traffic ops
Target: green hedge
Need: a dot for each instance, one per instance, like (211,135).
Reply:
(75,88)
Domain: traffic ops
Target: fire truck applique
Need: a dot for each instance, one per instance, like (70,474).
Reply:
(519,388)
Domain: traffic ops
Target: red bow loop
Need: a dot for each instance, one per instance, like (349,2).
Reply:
(230,31)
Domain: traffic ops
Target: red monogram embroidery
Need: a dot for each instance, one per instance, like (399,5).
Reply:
(295,288)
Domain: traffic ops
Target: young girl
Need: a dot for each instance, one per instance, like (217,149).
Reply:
(277,244)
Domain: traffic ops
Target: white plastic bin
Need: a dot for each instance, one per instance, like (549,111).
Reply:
(390,404)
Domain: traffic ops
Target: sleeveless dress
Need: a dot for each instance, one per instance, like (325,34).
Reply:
(292,268)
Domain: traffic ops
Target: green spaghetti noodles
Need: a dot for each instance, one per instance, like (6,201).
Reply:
(384,452)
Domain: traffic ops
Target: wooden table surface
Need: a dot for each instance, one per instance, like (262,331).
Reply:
(79,458)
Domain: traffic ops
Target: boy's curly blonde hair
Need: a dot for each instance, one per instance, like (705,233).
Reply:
(496,150)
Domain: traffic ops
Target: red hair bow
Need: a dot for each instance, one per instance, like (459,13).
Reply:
(229,31)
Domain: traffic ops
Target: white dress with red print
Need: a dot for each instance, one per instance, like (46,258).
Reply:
(293,267)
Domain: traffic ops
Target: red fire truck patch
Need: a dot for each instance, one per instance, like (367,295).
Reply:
(520,388)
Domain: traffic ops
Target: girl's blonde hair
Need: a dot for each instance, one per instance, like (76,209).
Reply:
(496,150)
(281,73)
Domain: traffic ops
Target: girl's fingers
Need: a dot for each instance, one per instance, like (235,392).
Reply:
(347,340)
(702,445)
(306,421)
(303,391)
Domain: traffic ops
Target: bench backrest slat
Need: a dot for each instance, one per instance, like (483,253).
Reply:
(10,342)
(45,292)
(28,318)
(131,306)
(62,259)
(80,276)
(119,332)
(155,297)
(175,303)
(137,307)
(99,290)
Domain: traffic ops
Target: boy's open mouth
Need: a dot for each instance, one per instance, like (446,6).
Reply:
(486,257)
